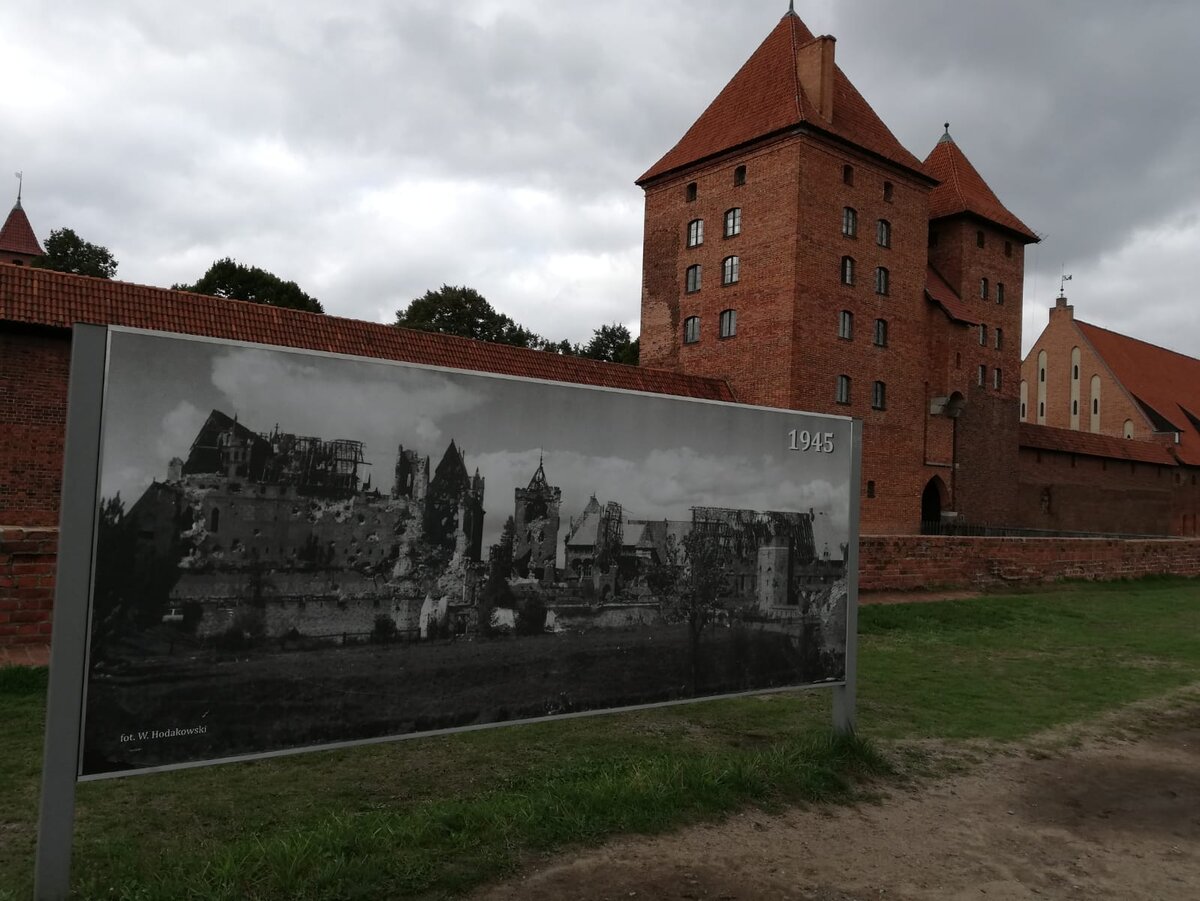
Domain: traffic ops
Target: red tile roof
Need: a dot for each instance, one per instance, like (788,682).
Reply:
(47,298)
(1163,380)
(17,235)
(765,97)
(963,190)
(1043,437)
(937,290)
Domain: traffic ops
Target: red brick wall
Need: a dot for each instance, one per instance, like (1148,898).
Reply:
(908,562)
(34,367)
(27,566)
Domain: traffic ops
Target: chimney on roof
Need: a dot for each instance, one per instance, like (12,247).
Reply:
(814,69)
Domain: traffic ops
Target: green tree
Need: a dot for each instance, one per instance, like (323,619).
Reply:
(462,311)
(613,344)
(67,252)
(229,278)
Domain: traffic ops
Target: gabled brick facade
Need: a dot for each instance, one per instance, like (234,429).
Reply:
(843,232)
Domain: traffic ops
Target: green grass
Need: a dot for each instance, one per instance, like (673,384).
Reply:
(434,817)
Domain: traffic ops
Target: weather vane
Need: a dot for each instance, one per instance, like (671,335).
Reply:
(20,183)
(1062,285)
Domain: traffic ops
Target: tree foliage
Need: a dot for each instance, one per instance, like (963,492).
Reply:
(462,311)
(613,344)
(67,252)
(690,588)
(229,278)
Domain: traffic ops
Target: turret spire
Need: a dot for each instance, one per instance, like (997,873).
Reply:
(20,184)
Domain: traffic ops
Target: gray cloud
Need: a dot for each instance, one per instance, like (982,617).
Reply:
(374,151)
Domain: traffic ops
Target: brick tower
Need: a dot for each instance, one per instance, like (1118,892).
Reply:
(18,243)
(785,251)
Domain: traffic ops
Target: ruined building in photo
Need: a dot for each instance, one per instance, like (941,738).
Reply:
(536,521)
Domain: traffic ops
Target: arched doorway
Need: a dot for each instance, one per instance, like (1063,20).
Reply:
(933,500)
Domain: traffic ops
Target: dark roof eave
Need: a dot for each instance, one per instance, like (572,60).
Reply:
(796,129)
(1025,237)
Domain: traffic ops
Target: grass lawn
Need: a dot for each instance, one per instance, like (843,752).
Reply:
(433,817)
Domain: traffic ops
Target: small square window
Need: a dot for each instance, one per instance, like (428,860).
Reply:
(847,270)
(728,323)
(882,281)
(733,222)
(881,330)
(887,191)
(690,193)
(849,222)
(739,175)
(848,175)
(846,325)
(695,233)
(693,279)
(730,267)
(843,389)
(691,330)
(879,396)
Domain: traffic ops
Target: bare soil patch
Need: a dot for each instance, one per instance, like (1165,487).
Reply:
(1112,815)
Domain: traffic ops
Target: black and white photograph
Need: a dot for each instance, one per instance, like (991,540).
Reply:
(297,549)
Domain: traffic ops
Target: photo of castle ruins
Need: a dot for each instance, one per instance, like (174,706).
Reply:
(268,590)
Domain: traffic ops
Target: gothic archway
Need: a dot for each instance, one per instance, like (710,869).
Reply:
(933,502)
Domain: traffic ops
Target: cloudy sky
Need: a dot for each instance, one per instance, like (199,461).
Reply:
(658,457)
(374,150)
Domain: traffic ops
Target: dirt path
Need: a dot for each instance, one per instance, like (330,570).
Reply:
(1114,818)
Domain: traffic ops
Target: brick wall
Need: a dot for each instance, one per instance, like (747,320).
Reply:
(34,367)
(909,562)
(27,566)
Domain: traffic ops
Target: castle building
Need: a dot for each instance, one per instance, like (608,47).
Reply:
(796,249)
(18,244)
(536,520)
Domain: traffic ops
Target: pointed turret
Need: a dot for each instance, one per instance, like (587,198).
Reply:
(963,190)
(18,243)
(790,80)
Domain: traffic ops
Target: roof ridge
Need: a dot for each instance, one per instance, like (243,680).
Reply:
(1141,341)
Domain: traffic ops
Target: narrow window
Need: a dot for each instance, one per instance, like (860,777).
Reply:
(996,379)
(881,333)
(979,239)
(1022,410)
(983,336)
(739,175)
(693,279)
(1042,374)
(847,270)
(691,192)
(214,520)
(847,175)
(883,233)
(846,325)
(881,280)
(982,376)
(999,338)
(843,389)
(728,323)
(729,270)
(887,191)
(695,234)
(1008,248)
(1000,293)
(879,396)
(691,330)
(1095,406)
(1128,428)
(1074,408)
(733,222)
(1041,411)
(870,488)
(983,288)
(849,222)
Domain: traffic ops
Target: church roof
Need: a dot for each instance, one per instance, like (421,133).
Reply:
(59,300)
(765,97)
(963,190)
(1164,383)
(16,236)
(1072,441)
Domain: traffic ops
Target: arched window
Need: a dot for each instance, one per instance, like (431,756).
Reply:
(883,233)
(999,338)
(983,288)
(733,222)
(982,335)
(693,279)
(691,330)
(695,233)
(1128,428)
(849,222)
(730,270)
(847,175)
(882,280)
(1000,293)
(728,323)
(881,330)
(846,325)
(847,270)
(879,396)
(690,192)
(739,175)
(1095,393)
(843,389)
